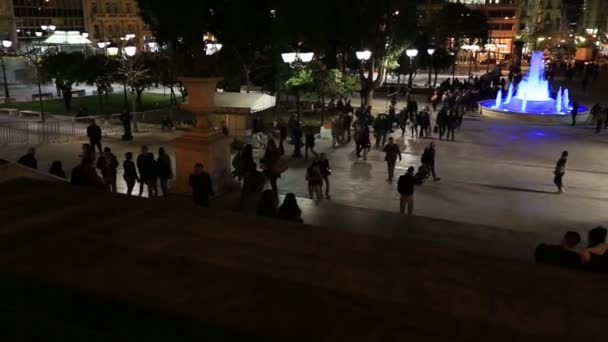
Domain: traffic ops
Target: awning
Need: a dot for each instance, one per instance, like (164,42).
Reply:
(66,38)
(242,103)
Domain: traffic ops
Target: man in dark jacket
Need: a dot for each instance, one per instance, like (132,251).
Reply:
(393,152)
(201,185)
(94,134)
(108,164)
(146,166)
(562,255)
(405,186)
(29,159)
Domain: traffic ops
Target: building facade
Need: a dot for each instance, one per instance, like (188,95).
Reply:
(595,15)
(503,21)
(30,15)
(109,20)
(542,16)
(7,21)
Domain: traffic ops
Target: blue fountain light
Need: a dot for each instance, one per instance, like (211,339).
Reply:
(532,94)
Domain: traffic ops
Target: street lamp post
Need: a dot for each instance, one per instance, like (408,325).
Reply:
(6,44)
(42,115)
(411,53)
(296,61)
(431,53)
(363,57)
(130,51)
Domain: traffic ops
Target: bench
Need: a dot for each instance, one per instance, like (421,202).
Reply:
(9,111)
(79,93)
(29,113)
(42,95)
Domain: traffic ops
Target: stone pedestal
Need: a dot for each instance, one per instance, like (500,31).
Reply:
(203,144)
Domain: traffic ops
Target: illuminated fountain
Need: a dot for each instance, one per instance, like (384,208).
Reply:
(532,96)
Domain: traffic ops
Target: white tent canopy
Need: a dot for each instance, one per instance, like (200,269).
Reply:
(66,38)
(242,103)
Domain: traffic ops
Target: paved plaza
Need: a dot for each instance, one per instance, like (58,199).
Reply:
(496,173)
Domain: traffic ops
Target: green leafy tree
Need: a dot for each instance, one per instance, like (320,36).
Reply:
(99,71)
(66,69)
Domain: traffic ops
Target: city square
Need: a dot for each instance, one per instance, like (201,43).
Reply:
(230,170)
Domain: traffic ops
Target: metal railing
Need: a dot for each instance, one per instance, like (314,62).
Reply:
(51,131)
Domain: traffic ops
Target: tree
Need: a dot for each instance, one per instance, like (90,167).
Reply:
(456,24)
(99,71)
(66,69)
(169,72)
(442,59)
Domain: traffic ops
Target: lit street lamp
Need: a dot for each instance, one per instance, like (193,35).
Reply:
(130,52)
(6,44)
(431,53)
(296,61)
(364,56)
(411,53)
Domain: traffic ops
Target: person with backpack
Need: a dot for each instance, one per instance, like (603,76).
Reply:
(315,181)
(108,164)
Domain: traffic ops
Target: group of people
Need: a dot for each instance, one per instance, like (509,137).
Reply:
(147,170)
(599,115)
(593,258)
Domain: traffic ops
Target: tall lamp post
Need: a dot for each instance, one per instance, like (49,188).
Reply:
(296,61)
(42,116)
(411,53)
(130,51)
(363,57)
(431,53)
(6,44)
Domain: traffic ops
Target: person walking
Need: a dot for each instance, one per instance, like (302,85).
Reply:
(164,170)
(94,134)
(325,172)
(560,170)
(57,170)
(442,122)
(271,164)
(130,173)
(452,125)
(202,187)
(29,159)
(309,144)
(392,152)
(405,187)
(108,164)
(289,210)
(362,140)
(315,181)
(428,160)
(574,112)
(347,121)
(147,172)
